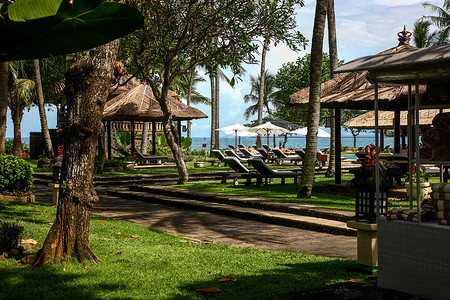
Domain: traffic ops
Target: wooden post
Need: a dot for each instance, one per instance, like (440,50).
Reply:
(108,137)
(338,147)
(397,131)
(153,137)
(133,142)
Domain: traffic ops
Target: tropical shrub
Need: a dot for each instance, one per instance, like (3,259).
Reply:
(11,234)
(16,174)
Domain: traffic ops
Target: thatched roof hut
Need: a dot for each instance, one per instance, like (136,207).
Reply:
(385,119)
(139,104)
(354,91)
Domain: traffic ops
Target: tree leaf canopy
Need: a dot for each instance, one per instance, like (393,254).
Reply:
(86,24)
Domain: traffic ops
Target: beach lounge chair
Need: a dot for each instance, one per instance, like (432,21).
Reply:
(248,154)
(267,147)
(300,152)
(283,157)
(231,153)
(241,146)
(266,173)
(153,159)
(237,167)
(124,151)
(218,155)
(268,156)
(232,147)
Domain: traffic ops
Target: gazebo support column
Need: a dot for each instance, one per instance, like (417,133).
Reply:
(179,132)
(338,147)
(108,139)
(133,141)
(397,131)
(154,138)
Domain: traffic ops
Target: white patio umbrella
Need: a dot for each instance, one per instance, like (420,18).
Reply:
(304,131)
(235,129)
(268,128)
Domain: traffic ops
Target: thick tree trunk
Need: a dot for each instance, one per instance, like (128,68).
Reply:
(332,44)
(3,103)
(16,115)
(171,133)
(262,78)
(307,178)
(87,86)
(144,143)
(42,115)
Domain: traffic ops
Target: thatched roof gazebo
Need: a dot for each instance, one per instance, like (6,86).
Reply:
(385,119)
(139,104)
(353,91)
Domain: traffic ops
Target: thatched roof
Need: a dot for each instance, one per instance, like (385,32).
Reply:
(140,104)
(352,90)
(386,119)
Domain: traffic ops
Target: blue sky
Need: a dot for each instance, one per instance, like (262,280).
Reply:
(363,28)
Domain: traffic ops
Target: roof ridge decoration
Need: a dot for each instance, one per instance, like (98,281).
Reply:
(404,36)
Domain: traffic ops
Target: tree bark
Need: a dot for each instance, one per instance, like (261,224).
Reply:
(3,103)
(213,112)
(307,178)
(332,44)
(262,79)
(144,143)
(189,95)
(171,132)
(217,107)
(16,115)
(42,115)
(87,86)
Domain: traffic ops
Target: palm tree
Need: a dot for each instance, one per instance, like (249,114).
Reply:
(42,115)
(3,103)
(334,62)
(441,20)
(307,178)
(21,95)
(421,34)
(255,94)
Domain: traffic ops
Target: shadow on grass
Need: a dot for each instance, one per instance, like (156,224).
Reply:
(288,278)
(47,283)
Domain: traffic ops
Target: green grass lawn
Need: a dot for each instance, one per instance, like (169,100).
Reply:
(286,192)
(159,266)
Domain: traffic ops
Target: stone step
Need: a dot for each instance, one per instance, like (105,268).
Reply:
(268,216)
(294,208)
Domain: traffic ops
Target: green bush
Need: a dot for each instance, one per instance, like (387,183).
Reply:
(109,163)
(43,161)
(11,234)
(16,174)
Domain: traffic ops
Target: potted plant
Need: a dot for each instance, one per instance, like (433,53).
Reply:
(128,163)
(16,179)
(424,185)
(199,162)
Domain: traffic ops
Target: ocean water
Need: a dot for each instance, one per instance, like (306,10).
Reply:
(292,142)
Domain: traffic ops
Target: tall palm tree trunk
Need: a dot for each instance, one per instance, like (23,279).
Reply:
(213,112)
(261,88)
(16,115)
(217,106)
(307,178)
(42,115)
(332,44)
(188,102)
(3,103)
(144,143)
